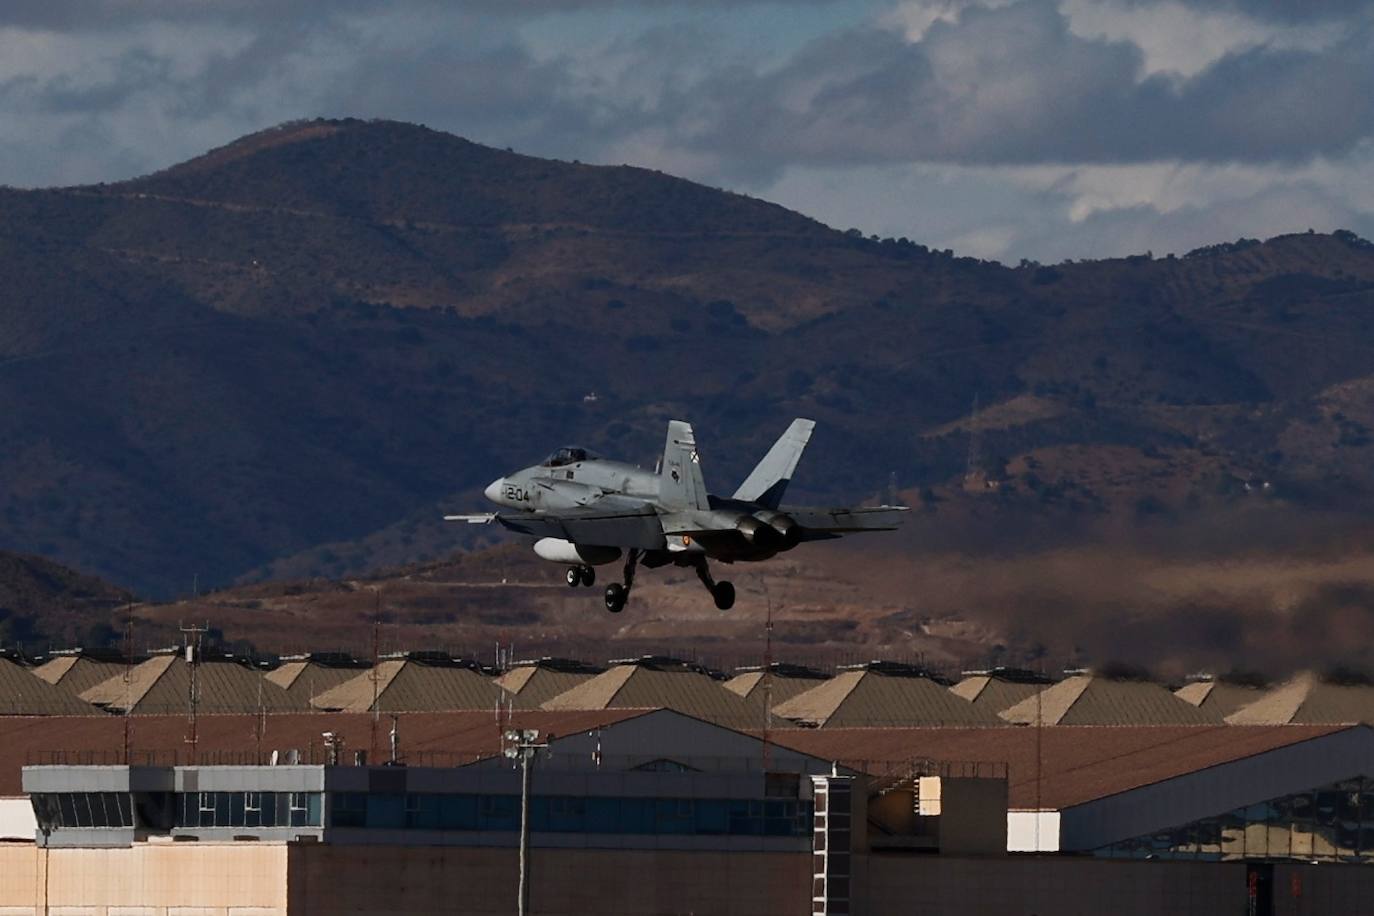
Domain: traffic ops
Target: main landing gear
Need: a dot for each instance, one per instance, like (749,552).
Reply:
(581,575)
(722,592)
(616,593)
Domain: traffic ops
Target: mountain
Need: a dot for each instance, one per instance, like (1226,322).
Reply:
(43,603)
(290,355)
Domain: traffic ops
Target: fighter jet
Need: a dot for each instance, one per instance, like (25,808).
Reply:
(587,511)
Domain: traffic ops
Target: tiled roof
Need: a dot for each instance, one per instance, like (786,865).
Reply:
(869,698)
(1220,697)
(409,685)
(162,684)
(1307,699)
(1056,766)
(683,689)
(994,693)
(425,739)
(22,694)
(77,673)
(1089,700)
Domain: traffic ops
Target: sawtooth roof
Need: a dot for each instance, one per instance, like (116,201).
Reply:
(305,679)
(410,685)
(683,688)
(425,739)
(785,685)
(870,698)
(530,686)
(162,684)
(1092,700)
(994,693)
(77,673)
(1307,699)
(1061,766)
(1220,697)
(22,694)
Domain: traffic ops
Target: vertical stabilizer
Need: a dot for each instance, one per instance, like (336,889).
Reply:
(767,482)
(681,485)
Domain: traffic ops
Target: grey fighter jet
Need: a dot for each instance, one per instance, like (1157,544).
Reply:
(587,511)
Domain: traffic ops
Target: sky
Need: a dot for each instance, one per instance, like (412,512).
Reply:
(1003,129)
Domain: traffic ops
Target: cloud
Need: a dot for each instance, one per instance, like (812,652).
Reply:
(1016,85)
(92,15)
(1006,128)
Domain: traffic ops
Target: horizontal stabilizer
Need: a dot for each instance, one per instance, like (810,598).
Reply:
(767,482)
(821,524)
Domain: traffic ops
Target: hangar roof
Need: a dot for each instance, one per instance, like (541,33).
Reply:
(408,684)
(21,693)
(1308,699)
(162,684)
(665,683)
(870,697)
(1056,767)
(1095,700)
(1220,697)
(425,738)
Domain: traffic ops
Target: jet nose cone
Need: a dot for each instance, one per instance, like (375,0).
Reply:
(493,490)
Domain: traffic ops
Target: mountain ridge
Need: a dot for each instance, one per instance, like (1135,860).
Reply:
(290,355)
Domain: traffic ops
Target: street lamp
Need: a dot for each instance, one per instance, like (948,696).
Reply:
(522,744)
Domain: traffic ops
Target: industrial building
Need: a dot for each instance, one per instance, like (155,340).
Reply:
(660,786)
(653,811)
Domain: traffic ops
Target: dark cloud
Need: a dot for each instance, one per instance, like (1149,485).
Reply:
(84,15)
(1015,85)
(1289,11)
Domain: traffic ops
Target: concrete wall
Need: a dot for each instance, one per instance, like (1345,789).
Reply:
(973,818)
(16,819)
(148,880)
(381,881)
(1032,831)
(1314,890)
(1014,886)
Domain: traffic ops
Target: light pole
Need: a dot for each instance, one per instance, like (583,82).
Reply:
(522,744)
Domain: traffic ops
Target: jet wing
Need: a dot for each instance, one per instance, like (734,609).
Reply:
(825,524)
(630,527)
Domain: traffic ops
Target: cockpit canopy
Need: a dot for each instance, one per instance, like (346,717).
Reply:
(569,454)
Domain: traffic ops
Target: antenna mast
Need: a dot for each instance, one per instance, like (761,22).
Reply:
(191,637)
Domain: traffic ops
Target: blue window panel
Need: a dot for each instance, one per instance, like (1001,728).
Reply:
(386,810)
(498,812)
(422,812)
(602,815)
(458,812)
(712,816)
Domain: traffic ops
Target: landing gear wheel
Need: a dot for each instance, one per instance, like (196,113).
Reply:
(588,576)
(724,593)
(616,596)
(574,576)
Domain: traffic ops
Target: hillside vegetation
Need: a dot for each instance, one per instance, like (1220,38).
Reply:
(289,356)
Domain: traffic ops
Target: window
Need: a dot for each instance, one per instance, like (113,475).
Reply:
(207,810)
(348,809)
(252,809)
(300,810)
(83,810)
